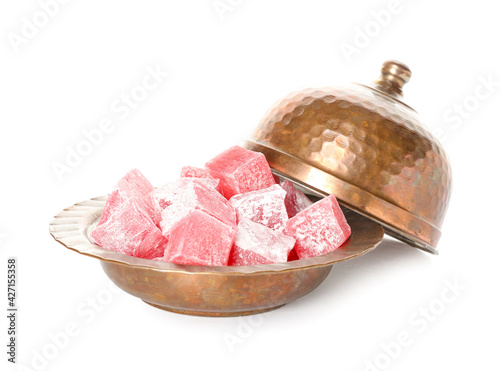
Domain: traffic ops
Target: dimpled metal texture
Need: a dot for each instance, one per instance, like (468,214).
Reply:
(368,148)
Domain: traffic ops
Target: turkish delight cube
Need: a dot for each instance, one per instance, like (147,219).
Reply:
(200,239)
(265,206)
(167,194)
(295,200)
(200,197)
(257,244)
(134,185)
(130,230)
(319,229)
(240,171)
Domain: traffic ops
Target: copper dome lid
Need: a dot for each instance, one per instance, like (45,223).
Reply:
(368,148)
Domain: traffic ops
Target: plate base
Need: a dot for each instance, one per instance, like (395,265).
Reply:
(214,314)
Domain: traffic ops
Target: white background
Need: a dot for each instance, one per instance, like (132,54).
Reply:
(225,70)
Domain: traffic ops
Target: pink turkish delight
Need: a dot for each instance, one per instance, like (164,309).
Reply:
(319,229)
(194,172)
(232,211)
(240,171)
(167,194)
(257,244)
(240,257)
(135,183)
(200,197)
(130,230)
(200,239)
(265,206)
(293,256)
(295,200)
(132,185)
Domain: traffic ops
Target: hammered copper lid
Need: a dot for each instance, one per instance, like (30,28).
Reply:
(368,148)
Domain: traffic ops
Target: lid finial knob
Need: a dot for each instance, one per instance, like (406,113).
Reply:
(393,76)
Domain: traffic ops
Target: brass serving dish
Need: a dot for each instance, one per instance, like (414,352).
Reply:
(368,148)
(209,291)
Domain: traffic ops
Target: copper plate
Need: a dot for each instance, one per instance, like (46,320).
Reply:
(209,291)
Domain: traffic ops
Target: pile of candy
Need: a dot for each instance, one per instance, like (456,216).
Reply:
(232,212)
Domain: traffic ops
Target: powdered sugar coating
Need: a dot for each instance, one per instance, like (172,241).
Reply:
(240,170)
(295,200)
(257,244)
(166,195)
(319,229)
(130,230)
(197,196)
(133,184)
(240,257)
(172,214)
(265,206)
(194,172)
